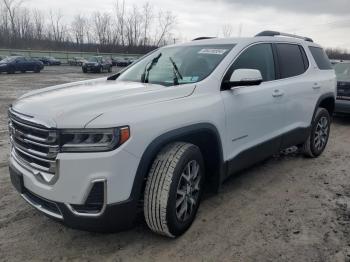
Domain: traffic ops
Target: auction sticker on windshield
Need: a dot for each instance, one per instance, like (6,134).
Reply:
(212,51)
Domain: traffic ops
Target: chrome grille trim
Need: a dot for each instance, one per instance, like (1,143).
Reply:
(42,208)
(31,153)
(34,146)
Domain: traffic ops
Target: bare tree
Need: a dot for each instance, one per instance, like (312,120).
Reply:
(12,7)
(24,24)
(78,28)
(126,28)
(133,27)
(38,24)
(227,30)
(102,27)
(57,29)
(120,17)
(166,22)
(147,16)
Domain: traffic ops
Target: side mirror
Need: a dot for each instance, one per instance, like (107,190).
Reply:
(244,77)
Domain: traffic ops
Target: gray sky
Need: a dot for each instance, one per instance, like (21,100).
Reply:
(327,21)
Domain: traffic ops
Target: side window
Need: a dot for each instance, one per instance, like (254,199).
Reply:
(321,58)
(291,60)
(258,57)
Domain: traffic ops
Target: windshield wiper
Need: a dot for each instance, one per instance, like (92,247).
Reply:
(177,73)
(148,68)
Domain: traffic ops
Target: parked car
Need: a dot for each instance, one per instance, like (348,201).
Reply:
(76,61)
(93,154)
(50,61)
(97,64)
(342,104)
(22,64)
(123,62)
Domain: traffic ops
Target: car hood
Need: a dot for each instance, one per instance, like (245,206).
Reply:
(74,105)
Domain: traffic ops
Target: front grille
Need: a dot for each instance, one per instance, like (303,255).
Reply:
(34,146)
(343,91)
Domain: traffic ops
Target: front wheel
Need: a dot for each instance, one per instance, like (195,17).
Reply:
(173,189)
(319,135)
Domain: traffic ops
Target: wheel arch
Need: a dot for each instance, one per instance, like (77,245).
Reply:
(203,135)
(326,101)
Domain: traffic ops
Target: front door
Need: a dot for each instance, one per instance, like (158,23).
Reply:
(255,115)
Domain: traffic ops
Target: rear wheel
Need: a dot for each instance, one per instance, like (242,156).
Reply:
(319,135)
(173,189)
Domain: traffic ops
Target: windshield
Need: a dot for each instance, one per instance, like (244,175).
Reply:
(342,70)
(8,59)
(177,65)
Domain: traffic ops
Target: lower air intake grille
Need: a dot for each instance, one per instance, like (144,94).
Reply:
(95,201)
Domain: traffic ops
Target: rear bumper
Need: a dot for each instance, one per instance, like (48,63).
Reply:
(342,106)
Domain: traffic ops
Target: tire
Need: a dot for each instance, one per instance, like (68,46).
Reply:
(319,134)
(23,71)
(84,70)
(172,194)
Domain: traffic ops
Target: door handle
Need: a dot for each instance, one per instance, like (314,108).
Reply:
(277,93)
(316,86)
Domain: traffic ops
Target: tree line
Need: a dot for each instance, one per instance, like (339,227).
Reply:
(135,29)
(337,54)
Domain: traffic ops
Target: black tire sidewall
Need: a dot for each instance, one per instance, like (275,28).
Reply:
(175,226)
(321,113)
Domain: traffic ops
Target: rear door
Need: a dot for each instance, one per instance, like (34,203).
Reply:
(300,90)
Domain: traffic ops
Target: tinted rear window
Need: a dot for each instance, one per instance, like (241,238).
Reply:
(291,60)
(321,58)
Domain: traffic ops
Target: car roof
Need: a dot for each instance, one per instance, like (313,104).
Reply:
(249,40)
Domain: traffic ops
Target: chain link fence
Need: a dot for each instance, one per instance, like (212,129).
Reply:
(62,55)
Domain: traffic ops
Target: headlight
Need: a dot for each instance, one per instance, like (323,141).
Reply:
(93,140)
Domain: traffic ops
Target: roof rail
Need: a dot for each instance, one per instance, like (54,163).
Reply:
(275,33)
(203,38)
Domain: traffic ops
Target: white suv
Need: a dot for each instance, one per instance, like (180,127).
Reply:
(95,154)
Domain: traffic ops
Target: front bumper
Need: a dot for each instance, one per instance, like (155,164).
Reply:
(91,68)
(113,217)
(342,106)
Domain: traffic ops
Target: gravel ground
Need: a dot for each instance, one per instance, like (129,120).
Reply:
(288,208)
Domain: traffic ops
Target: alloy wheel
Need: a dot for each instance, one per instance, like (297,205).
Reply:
(187,194)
